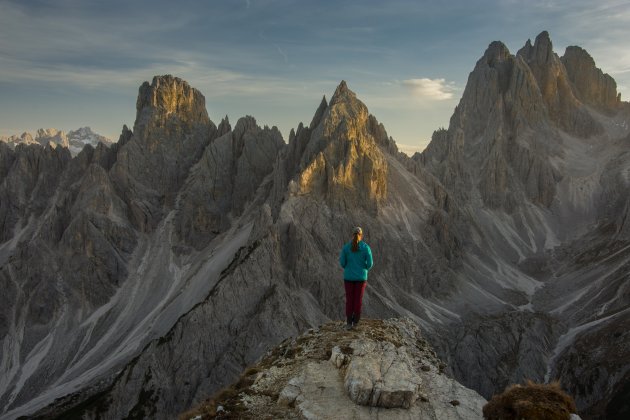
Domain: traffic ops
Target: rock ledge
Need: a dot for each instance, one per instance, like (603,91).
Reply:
(382,368)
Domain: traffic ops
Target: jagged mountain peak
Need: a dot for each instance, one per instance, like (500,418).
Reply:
(244,124)
(162,85)
(170,102)
(337,158)
(346,112)
(319,113)
(560,87)
(185,211)
(171,131)
(543,36)
(49,132)
(592,85)
(74,140)
(85,131)
(540,54)
(224,127)
(169,97)
(580,53)
(342,92)
(507,98)
(543,43)
(346,102)
(497,51)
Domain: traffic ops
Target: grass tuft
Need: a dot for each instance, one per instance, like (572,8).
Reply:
(530,401)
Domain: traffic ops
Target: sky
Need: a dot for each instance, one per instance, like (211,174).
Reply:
(67,63)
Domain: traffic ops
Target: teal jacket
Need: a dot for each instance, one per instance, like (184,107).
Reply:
(356,264)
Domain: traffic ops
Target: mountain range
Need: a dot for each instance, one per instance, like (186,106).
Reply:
(140,278)
(74,140)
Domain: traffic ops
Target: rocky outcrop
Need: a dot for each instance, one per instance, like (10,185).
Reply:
(78,139)
(6,159)
(225,180)
(52,137)
(379,375)
(491,136)
(615,206)
(512,335)
(598,377)
(31,177)
(382,368)
(171,131)
(12,141)
(555,86)
(341,161)
(70,258)
(99,238)
(525,142)
(592,86)
(69,233)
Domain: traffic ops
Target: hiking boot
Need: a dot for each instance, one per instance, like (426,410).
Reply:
(349,321)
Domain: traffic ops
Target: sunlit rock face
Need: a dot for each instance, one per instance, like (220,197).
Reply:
(172,129)
(52,137)
(341,160)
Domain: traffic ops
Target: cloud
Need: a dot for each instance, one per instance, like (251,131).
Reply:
(282,53)
(430,89)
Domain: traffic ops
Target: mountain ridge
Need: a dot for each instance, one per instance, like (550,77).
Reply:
(235,234)
(74,140)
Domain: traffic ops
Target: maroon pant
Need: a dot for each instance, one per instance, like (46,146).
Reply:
(354,298)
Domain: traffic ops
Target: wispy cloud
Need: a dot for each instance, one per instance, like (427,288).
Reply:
(430,89)
(282,53)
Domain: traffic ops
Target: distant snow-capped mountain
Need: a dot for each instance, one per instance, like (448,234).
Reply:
(74,140)
(84,135)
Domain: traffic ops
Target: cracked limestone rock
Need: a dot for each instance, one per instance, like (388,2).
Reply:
(383,369)
(381,375)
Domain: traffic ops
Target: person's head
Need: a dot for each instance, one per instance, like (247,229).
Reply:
(357,235)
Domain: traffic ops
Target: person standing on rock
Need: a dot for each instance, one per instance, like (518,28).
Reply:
(356,261)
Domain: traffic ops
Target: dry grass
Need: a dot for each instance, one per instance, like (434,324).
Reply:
(228,397)
(530,401)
